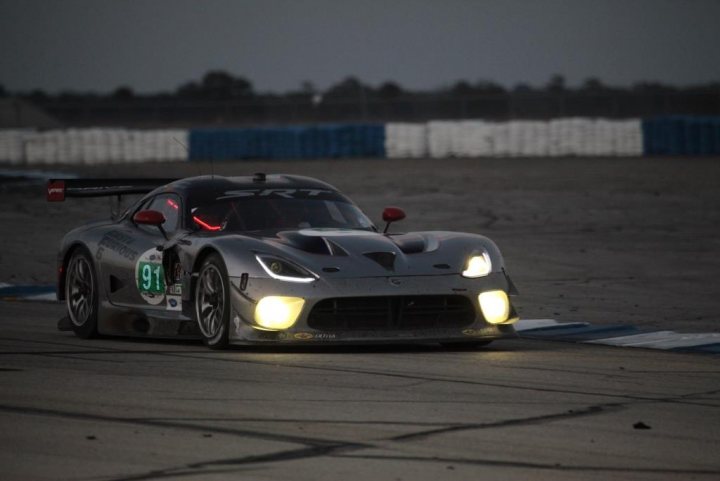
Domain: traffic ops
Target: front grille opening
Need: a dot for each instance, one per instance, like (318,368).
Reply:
(392,313)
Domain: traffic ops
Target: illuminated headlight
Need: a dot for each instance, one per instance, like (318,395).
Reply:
(284,270)
(478,266)
(495,306)
(277,312)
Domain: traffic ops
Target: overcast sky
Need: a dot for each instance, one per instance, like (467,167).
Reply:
(154,45)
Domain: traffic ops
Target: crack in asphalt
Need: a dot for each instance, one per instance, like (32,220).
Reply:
(78,357)
(317,448)
(205,467)
(180,473)
(336,449)
(441,379)
(368,401)
(314,447)
(164,424)
(528,465)
(215,357)
(573,413)
(303,420)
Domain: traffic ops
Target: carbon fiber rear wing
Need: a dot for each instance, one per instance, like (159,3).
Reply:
(59,189)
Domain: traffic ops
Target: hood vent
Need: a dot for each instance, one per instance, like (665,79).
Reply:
(311,244)
(335,249)
(409,243)
(385,259)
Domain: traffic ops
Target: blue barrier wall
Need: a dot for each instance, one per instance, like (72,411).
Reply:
(669,135)
(302,142)
(681,135)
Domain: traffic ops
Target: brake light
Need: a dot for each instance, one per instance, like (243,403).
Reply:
(172,204)
(56,191)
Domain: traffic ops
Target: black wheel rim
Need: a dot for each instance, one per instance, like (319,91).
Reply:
(80,291)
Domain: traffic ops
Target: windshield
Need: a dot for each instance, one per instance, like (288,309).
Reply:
(243,214)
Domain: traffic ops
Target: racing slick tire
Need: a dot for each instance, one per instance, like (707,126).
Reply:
(81,294)
(212,302)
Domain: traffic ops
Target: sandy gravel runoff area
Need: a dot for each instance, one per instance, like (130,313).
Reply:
(598,240)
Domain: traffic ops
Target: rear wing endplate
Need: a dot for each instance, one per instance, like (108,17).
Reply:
(59,189)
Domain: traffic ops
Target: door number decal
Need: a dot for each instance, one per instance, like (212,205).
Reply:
(150,277)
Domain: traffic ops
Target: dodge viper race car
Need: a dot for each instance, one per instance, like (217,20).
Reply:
(272,259)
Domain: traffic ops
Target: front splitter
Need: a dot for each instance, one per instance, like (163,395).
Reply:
(245,334)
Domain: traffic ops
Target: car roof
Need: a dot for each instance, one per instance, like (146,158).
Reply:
(200,189)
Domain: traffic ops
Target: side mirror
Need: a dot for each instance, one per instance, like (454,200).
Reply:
(150,217)
(392,214)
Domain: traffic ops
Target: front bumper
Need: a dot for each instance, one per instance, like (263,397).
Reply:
(243,329)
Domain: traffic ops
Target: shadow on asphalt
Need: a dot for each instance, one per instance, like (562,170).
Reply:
(502,345)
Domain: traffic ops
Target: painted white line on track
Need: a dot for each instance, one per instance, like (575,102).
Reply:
(49,297)
(550,329)
(527,324)
(662,340)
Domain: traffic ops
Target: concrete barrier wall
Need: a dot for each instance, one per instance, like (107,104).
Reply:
(571,137)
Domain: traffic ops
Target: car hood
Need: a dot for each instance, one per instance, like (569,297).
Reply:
(356,253)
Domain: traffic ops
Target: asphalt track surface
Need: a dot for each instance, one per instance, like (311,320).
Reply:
(597,240)
(121,409)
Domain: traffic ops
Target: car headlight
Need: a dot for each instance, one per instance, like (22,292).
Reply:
(478,266)
(284,270)
(278,312)
(495,306)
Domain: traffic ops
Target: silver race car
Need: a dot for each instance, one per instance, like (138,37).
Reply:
(272,259)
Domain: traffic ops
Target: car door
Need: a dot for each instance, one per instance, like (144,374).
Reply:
(135,276)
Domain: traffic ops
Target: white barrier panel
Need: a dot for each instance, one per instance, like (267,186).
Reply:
(477,139)
(528,138)
(403,140)
(92,146)
(12,145)
(630,138)
(173,144)
(438,139)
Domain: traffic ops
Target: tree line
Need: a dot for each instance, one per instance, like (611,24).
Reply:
(220,97)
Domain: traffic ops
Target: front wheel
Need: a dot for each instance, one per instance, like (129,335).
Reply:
(81,294)
(212,302)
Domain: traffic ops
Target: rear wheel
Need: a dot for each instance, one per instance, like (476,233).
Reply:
(81,294)
(212,302)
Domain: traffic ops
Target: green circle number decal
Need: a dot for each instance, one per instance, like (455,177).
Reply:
(150,277)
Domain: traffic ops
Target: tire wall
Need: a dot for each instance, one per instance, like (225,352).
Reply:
(565,137)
